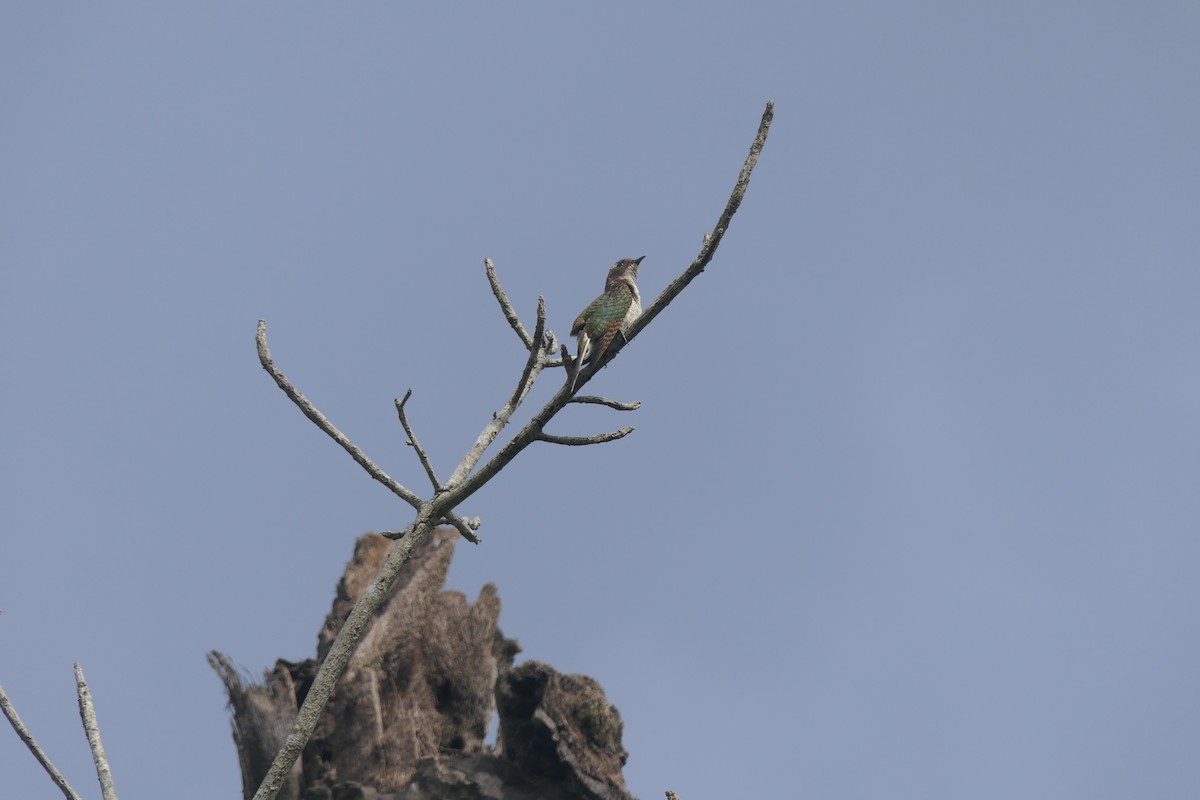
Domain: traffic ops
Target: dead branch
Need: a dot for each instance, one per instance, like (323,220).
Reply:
(10,713)
(372,469)
(576,441)
(536,360)
(604,401)
(711,241)
(87,713)
(310,411)
(466,479)
(533,366)
(412,441)
(565,359)
(506,307)
(340,651)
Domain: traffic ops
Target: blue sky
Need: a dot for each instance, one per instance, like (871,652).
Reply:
(911,509)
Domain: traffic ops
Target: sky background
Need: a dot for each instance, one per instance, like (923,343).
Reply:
(911,508)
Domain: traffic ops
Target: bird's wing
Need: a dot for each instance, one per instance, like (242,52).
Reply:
(610,314)
(585,315)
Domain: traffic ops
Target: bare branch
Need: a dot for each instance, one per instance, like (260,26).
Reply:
(510,313)
(604,401)
(412,441)
(533,367)
(310,411)
(711,241)
(575,441)
(25,736)
(92,728)
(465,526)
(344,645)
(564,356)
(536,354)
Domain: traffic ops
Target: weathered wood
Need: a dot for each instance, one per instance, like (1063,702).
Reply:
(410,717)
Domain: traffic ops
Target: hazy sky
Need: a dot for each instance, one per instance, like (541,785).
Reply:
(912,505)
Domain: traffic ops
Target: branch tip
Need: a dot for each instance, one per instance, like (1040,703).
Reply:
(87,713)
(579,441)
(605,401)
(506,307)
(412,442)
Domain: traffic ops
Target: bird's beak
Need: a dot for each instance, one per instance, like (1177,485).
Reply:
(638,260)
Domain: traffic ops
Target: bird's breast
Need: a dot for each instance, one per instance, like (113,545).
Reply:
(635,311)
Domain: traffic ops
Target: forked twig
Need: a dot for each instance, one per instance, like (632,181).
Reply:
(471,524)
(319,419)
(533,366)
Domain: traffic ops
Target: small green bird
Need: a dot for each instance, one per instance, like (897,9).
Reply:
(609,313)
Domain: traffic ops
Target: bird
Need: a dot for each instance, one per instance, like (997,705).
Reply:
(608,314)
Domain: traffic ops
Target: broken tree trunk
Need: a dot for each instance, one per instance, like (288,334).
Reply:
(410,717)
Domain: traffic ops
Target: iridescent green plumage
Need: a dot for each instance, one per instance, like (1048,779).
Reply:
(608,314)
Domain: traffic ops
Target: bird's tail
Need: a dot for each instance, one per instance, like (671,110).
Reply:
(585,347)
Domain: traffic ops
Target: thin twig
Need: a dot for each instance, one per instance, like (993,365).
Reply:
(319,419)
(465,525)
(536,354)
(92,728)
(310,411)
(25,736)
(533,366)
(604,401)
(510,313)
(576,441)
(412,441)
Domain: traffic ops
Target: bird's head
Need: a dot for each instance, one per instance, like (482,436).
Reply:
(625,268)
